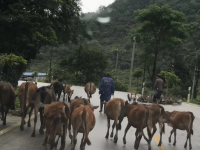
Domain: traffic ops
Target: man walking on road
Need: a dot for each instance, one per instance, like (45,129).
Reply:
(106,89)
(158,89)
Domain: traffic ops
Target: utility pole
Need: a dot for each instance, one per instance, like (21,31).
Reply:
(194,79)
(116,62)
(50,69)
(131,70)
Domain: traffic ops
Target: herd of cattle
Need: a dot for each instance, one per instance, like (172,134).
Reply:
(57,117)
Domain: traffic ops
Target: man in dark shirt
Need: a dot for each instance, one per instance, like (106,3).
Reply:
(106,89)
(158,87)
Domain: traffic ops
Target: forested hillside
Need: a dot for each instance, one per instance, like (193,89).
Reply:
(112,29)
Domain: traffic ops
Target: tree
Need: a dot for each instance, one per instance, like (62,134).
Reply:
(162,28)
(137,74)
(88,63)
(27,25)
(11,68)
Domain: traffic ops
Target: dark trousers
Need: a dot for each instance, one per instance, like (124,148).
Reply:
(157,95)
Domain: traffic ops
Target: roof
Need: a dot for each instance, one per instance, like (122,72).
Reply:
(30,74)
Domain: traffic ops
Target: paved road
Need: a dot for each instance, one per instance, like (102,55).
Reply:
(22,140)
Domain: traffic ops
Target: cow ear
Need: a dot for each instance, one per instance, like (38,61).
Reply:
(126,103)
(95,107)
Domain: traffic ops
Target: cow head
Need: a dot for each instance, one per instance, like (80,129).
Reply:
(71,92)
(93,107)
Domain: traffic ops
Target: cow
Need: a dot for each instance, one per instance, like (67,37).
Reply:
(56,116)
(114,110)
(138,118)
(83,121)
(156,115)
(51,85)
(58,88)
(25,94)
(90,89)
(43,95)
(7,99)
(68,91)
(181,121)
(75,104)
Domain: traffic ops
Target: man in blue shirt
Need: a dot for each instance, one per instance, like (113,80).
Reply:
(106,89)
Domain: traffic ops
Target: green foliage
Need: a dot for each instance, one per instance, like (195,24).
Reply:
(87,63)
(11,67)
(170,78)
(138,73)
(16,112)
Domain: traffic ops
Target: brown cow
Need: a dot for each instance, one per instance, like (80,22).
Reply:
(138,118)
(75,104)
(25,94)
(156,115)
(7,99)
(69,92)
(83,121)
(56,116)
(43,95)
(114,110)
(181,121)
(90,89)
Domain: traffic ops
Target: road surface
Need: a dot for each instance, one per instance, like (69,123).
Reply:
(22,140)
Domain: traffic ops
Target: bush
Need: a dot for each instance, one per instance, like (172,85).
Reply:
(196,101)
(120,86)
(17,110)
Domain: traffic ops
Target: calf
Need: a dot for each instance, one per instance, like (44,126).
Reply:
(69,92)
(90,89)
(43,95)
(114,110)
(56,116)
(138,118)
(181,121)
(58,88)
(83,121)
(7,99)
(25,94)
(75,104)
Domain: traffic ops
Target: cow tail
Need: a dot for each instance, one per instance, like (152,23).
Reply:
(90,95)
(84,117)
(25,96)
(191,124)
(162,114)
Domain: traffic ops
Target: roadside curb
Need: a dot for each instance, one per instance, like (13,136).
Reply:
(13,126)
(191,104)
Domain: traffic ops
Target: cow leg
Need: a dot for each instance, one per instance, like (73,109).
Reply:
(63,96)
(29,119)
(69,100)
(74,139)
(190,141)
(113,127)
(41,120)
(117,128)
(2,113)
(126,130)
(138,141)
(108,121)
(6,111)
(161,126)
(174,137)
(35,119)
(46,138)
(59,93)
(69,128)
(172,131)
(56,144)
(22,120)
(83,143)
(63,137)
(186,141)
(52,139)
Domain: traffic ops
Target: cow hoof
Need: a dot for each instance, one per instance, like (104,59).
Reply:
(106,136)
(33,135)
(21,128)
(41,131)
(185,146)
(111,135)
(190,147)
(159,144)
(124,141)
(115,140)
(174,143)
(169,140)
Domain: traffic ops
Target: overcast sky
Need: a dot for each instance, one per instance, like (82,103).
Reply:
(93,5)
